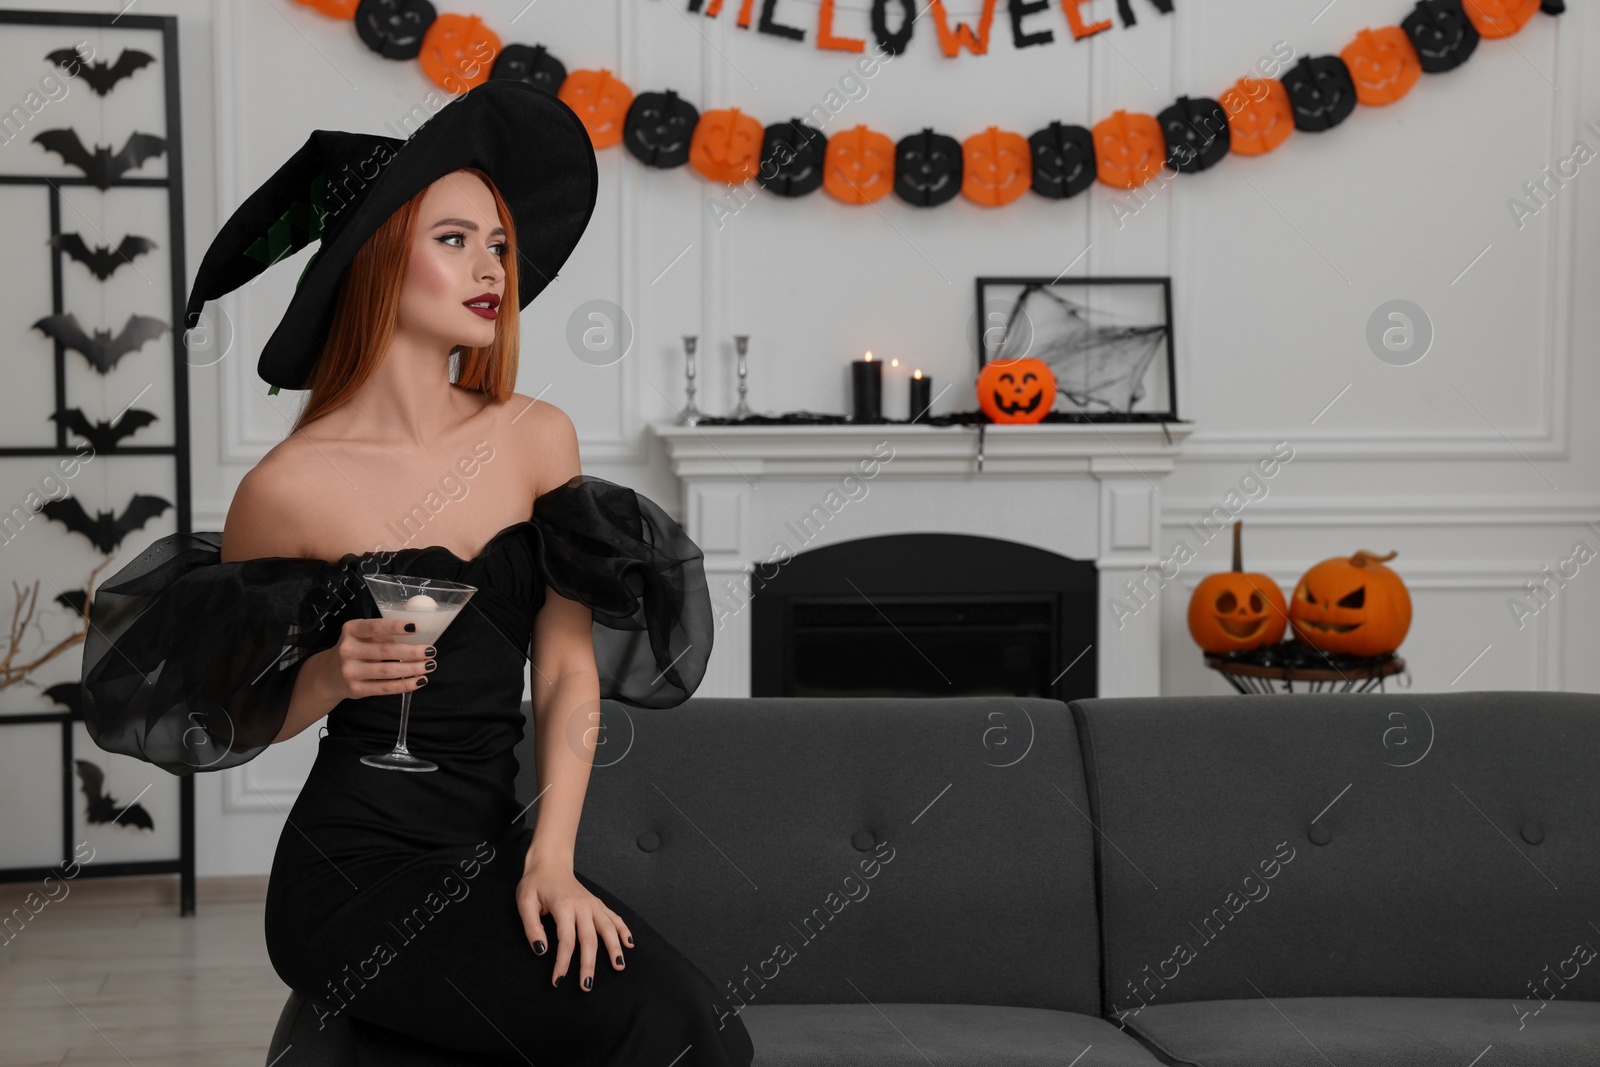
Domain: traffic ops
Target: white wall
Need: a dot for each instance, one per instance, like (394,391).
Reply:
(1479,463)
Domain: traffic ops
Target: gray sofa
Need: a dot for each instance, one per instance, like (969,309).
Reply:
(1262,881)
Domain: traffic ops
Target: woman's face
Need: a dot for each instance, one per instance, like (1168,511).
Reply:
(457,256)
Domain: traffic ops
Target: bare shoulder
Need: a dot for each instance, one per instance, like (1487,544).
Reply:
(544,436)
(270,504)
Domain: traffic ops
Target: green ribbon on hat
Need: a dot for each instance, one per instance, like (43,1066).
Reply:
(294,229)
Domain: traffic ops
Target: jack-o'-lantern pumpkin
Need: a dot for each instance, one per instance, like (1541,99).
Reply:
(532,64)
(601,102)
(1442,34)
(1129,149)
(927,168)
(1355,606)
(458,51)
(996,166)
(792,155)
(859,166)
(1383,64)
(727,145)
(1321,92)
(1063,160)
(1196,131)
(334,9)
(1260,117)
(1018,390)
(394,28)
(1235,611)
(659,129)
(1500,18)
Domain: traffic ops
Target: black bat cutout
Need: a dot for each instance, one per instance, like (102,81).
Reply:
(103,435)
(100,166)
(102,807)
(68,695)
(107,529)
(103,260)
(75,599)
(102,350)
(101,76)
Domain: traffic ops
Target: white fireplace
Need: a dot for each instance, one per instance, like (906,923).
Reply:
(754,495)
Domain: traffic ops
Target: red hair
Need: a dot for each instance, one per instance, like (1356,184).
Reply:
(369,302)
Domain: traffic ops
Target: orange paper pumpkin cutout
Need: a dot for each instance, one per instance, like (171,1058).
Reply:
(1016,390)
(1383,64)
(859,165)
(1356,606)
(996,166)
(726,146)
(1235,611)
(1500,18)
(457,52)
(334,9)
(601,101)
(1260,116)
(1129,149)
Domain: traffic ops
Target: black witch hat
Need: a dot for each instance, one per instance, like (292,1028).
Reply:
(340,187)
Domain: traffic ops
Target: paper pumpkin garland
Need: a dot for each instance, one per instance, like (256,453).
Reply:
(1125,150)
(659,128)
(1441,33)
(1019,390)
(927,168)
(1383,65)
(1235,611)
(1196,132)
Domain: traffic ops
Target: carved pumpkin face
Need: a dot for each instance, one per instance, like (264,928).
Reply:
(659,128)
(859,166)
(1234,611)
(997,166)
(394,28)
(1129,149)
(1354,606)
(1500,18)
(1383,64)
(600,101)
(1196,132)
(531,64)
(1441,33)
(1260,117)
(1016,390)
(1063,160)
(458,52)
(927,168)
(727,145)
(792,155)
(1321,93)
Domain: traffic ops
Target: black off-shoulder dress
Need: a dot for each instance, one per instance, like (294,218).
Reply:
(392,894)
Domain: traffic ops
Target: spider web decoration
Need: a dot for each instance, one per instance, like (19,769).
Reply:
(1100,360)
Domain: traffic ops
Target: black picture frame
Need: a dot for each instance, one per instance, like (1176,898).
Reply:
(991,288)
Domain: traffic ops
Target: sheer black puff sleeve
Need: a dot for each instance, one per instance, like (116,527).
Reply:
(616,552)
(190,662)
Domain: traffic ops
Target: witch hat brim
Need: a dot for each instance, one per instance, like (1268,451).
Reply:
(340,187)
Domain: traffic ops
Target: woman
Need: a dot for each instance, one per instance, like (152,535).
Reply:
(420,902)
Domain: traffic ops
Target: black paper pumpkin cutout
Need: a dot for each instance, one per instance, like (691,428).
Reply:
(531,64)
(792,156)
(659,129)
(1196,130)
(1063,160)
(1554,7)
(927,168)
(394,28)
(1321,92)
(1442,34)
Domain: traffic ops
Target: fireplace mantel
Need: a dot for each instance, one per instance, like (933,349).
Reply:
(1088,491)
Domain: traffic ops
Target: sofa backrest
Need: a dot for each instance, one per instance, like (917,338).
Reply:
(843,850)
(1298,845)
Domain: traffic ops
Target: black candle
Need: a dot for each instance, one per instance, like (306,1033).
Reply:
(921,388)
(866,390)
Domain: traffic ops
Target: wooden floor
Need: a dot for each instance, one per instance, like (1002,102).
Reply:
(109,974)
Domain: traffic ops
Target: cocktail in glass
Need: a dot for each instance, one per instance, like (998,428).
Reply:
(432,604)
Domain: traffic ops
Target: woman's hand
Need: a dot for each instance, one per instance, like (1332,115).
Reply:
(369,660)
(548,886)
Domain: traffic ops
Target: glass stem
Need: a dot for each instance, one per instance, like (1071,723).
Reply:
(405,715)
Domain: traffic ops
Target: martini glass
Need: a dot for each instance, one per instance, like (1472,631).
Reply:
(432,605)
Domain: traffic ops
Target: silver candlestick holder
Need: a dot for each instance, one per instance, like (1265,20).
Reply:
(741,344)
(691,414)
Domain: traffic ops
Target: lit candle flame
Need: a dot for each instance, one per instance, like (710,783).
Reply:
(918,374)
(869,356)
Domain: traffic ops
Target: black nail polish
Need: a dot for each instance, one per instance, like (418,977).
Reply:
(619,959)
(630,941)
(558,978)
(538,946)
(430,665)
(588,983)
(422,681)
(411,627)
(429,651)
